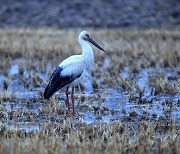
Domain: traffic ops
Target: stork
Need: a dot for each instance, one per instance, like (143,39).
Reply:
(69,73)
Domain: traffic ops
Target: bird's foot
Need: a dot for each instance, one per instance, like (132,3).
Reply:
(73,114)
(70,114)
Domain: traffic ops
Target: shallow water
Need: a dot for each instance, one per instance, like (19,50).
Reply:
(25,109)
(14,70)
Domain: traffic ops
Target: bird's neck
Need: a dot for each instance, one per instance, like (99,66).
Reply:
(86,49)
(87,53)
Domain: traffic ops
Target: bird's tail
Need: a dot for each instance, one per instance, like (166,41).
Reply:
(49,91)
(52,87)
(46,93)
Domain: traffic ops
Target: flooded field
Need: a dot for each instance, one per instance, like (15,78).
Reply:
(129,102)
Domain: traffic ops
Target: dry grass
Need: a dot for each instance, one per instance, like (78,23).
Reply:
(37,52)
(137,49)
(103,138)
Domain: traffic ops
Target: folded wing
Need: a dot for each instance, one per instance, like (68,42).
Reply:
(61,77)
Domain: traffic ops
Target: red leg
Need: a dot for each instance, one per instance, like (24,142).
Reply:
(67,99)
(72,98)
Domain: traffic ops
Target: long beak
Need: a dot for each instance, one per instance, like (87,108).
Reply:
(95,44)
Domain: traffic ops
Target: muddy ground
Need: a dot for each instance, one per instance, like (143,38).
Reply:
(135,80)
(130,97)
(128,103)
(96,13)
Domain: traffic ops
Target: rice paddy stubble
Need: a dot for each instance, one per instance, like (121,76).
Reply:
(140,69)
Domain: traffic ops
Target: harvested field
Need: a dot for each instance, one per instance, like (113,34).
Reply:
(129,102)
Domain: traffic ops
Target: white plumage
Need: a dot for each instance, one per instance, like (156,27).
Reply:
(70,71)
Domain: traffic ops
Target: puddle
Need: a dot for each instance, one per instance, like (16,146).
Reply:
(14,70)
(26,95)
(2,78)
(120,108)
(15,106)
(143,80)
(102,105)
(23,126)
(87,78)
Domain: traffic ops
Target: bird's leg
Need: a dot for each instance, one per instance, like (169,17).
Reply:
(72,98)
(67,99)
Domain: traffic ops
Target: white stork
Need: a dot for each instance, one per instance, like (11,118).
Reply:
(70,71)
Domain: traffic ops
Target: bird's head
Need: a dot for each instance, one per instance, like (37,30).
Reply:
(84,36)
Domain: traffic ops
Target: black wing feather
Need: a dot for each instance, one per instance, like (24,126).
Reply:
(57,82)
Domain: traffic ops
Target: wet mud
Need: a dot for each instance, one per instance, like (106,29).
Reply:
(107,94)
(129,102)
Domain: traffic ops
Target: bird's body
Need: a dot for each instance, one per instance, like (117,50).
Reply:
(73,65)
(70,71)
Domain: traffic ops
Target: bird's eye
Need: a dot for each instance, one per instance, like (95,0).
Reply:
(86,37)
